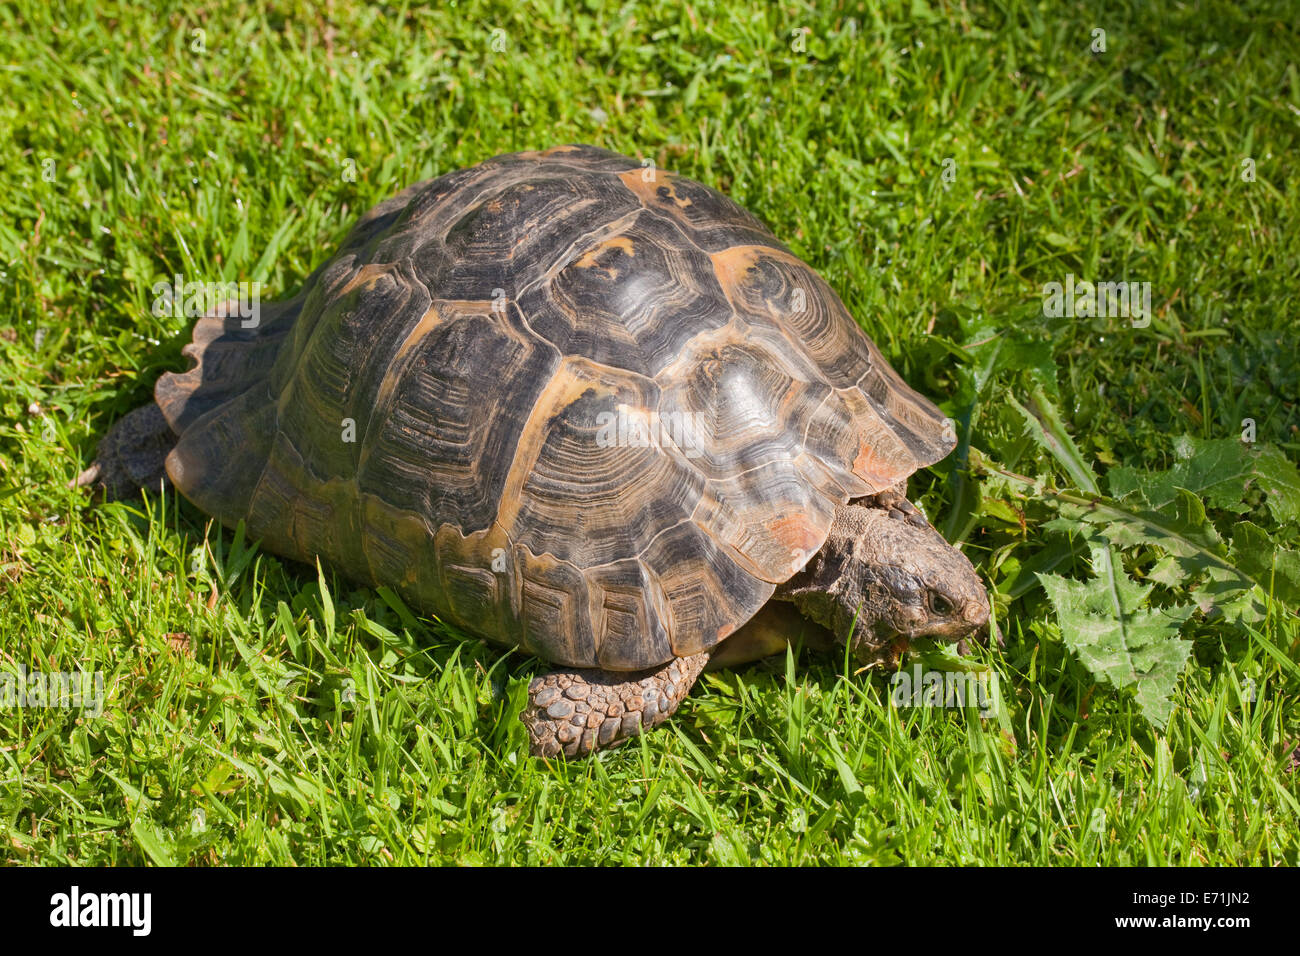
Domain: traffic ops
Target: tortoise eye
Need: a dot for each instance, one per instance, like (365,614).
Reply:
(940,604)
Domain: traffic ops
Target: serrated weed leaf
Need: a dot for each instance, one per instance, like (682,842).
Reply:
(1120,640)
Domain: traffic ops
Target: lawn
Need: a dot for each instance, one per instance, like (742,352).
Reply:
(939,165)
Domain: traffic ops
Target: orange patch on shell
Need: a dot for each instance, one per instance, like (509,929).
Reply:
(658,189)
(731,265)
(590,258)
(796,535)
(877,470)
(367,275)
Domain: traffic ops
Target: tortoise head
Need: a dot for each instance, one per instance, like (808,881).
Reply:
(885,578)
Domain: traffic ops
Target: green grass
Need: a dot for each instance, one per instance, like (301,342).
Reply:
(303,720)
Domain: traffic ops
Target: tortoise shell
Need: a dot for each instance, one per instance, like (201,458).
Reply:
(590,409)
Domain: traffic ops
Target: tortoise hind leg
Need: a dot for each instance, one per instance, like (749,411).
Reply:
(233,360)
(131,456)
(574,711)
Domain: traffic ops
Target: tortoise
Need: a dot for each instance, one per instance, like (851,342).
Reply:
(581,407)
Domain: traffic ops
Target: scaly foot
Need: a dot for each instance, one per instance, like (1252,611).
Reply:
(575,711)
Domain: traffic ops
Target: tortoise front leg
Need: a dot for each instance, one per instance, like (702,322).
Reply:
(574,711)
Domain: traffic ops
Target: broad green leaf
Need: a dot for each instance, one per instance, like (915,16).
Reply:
(1235,583)
(1218,470)
(1183,531)
(1130,647)
(1281,482)
(1274,570)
